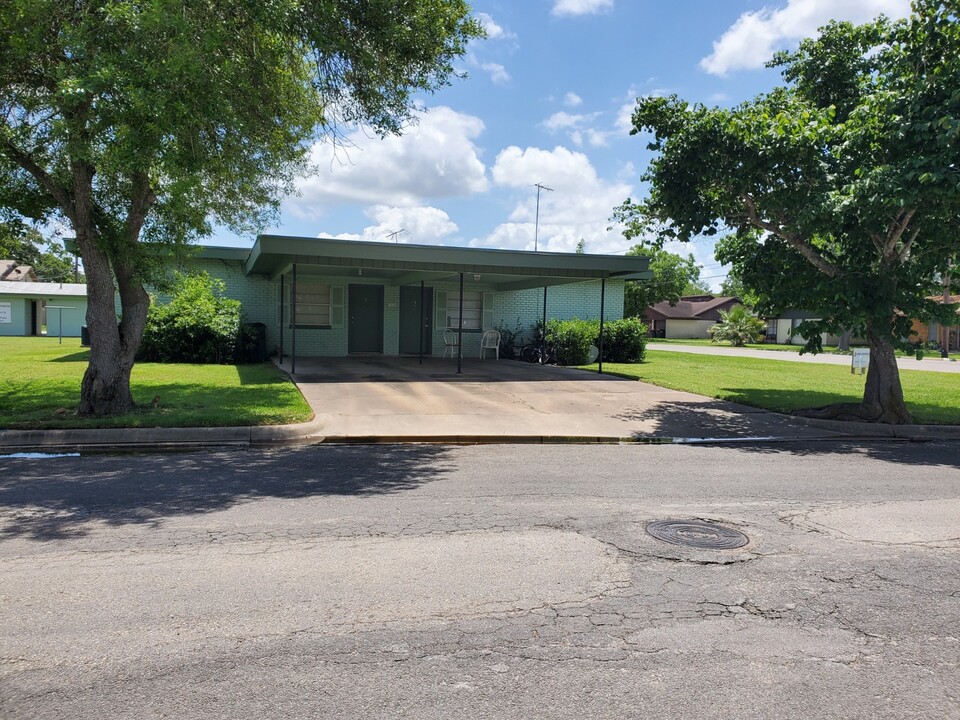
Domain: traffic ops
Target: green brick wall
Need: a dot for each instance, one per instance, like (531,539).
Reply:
(260,299)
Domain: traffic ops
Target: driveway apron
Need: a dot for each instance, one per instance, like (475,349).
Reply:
(397,397)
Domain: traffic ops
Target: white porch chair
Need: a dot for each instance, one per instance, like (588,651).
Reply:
(451,342)
(490,340)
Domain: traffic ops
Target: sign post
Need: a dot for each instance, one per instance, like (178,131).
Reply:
(860,359)
(61,308)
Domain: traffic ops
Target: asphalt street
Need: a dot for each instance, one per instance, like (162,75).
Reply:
(482,582)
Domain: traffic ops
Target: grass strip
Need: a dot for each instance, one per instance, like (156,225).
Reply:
(40,388)
(932,397)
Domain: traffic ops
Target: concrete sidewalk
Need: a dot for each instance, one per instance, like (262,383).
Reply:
(928,364)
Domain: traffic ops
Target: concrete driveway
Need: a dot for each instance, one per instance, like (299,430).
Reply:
(391,398)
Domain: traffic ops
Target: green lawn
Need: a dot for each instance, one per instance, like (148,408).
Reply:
(932,397)
(40,388)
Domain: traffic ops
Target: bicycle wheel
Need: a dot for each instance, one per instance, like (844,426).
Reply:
(528,353)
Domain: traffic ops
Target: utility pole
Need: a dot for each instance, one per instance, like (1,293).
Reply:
(945,345)
(536,227)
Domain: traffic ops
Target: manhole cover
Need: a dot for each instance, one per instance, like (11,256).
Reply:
(697,533)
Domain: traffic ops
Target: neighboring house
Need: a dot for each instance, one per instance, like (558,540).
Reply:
(691,317)
(782,329)
(25,307)
(323,297)
(934,332)
(10,271)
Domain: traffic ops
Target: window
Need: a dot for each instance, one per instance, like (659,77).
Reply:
(772,330)
(472,310)
(313,304)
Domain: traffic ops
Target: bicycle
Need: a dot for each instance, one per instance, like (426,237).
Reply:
(542,353)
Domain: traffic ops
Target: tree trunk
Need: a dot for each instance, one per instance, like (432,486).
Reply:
(845,339)
(106,383)
(882,395)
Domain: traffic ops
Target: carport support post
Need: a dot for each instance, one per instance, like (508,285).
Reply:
(421,322)
(281,320)
(460,332)
(603,289)
(544,333)
(293,322)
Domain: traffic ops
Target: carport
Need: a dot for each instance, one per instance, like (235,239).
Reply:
(359,298)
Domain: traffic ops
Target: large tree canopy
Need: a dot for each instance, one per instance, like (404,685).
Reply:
(837,193)
(142,122)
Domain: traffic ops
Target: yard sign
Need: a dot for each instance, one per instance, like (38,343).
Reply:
(861,360)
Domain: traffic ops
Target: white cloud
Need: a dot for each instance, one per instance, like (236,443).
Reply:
(580,7)
(755,36)
(624,120)
(584,128)
(498,73)
(579,206)
(564,120)
(435,158)
(572,100)
(423,225)
(494,30)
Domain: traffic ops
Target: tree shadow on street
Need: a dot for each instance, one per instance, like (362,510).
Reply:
(46,499)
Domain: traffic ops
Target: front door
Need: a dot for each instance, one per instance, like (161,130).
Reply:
(413,318)
(365,326)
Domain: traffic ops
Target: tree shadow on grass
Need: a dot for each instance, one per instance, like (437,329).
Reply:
(717,419)
(82,356)
(56,498)
(788,400)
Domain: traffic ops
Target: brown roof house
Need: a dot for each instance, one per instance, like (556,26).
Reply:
(934,332)
(10,271)
(691,317)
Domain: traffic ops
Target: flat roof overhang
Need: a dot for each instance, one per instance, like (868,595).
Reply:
(406,264)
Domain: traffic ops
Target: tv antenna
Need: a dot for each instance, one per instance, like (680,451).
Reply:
(536,227)
(396,234)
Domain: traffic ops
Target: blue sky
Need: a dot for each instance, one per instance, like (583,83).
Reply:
(548,99)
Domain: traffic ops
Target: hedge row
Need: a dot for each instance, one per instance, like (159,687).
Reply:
(623,340)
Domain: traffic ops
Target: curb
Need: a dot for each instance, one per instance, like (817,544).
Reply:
(883,430)
(135,439)
(264,436)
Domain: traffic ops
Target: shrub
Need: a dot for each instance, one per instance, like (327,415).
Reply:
(508,339)
(572,340)
(624,341)
(738,326)
(198,325)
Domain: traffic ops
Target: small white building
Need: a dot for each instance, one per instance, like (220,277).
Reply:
(26,307)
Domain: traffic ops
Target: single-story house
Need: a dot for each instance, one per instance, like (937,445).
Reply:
(11,271)
(935,332)
(691,317)
(25,307)
(325,297)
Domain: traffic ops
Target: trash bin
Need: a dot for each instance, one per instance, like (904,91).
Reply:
(254,339)
(84,336)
